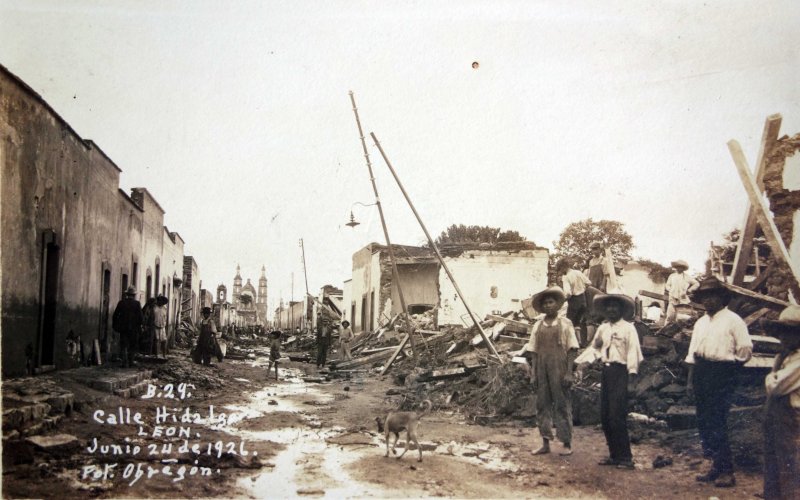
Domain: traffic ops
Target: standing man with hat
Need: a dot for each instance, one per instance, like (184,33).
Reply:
(554,346)
(597,270)
(128,320)
(160,325)
(679,286)
(207,340)
(782,419)
(574,284)
(720,345)
(617,345)
(345,338)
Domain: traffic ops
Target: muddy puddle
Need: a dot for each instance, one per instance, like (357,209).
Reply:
(315,460)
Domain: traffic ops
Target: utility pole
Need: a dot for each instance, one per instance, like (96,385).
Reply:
(395,273)
(305,274)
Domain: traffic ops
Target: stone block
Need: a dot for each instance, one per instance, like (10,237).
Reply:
(586,407)
(681,417)
(105,385)
(123,393)
(61,403)
(652,382)
(55,443)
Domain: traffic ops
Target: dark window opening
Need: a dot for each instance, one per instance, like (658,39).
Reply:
(47,335)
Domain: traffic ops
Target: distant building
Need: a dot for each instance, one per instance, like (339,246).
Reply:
(250,305)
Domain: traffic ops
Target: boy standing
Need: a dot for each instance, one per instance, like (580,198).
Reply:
(554,347)
(617,345)
(274,351)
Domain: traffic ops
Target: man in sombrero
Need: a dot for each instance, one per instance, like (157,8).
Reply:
(679,286)
(617,345)
(782,419)
(554,346)
(720,345)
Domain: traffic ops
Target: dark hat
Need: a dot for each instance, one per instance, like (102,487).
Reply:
(596,244)
(554,292)
(711,285)
(205,310)
(131,291)
(345,323)
(679,263)
(161,300)
(788,322)
(276,333)
(628,306)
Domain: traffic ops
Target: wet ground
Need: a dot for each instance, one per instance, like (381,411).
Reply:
(307,439)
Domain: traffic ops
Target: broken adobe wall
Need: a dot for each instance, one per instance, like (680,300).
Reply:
(635,277)
(491,280)
(420,284)
(782,186)
(61,189)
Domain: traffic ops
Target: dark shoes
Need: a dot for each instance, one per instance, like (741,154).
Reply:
(626,464)
(725,480)
(608,461)
(709,477)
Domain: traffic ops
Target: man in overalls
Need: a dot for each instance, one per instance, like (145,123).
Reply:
(554,346)
(782,419)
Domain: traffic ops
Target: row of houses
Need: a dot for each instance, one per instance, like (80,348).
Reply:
(73,241)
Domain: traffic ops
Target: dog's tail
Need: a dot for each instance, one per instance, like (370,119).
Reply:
(428,406)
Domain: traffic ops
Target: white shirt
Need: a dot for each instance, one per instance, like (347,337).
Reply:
(574,282)
(620,344)
(723,337)
(785,379)
(678,287)
(653,313)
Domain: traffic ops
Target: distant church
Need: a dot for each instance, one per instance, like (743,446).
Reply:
(251,306)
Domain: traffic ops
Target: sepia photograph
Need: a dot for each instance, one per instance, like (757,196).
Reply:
(400,249)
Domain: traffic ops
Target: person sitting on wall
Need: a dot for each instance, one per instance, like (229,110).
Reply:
(127,321)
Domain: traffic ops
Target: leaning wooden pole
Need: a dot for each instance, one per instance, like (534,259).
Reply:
(475,319)
(395,272)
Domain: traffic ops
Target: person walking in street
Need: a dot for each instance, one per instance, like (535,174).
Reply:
(324,333)
(597,269)
(554,346)
(160,325)
(206,341)
(719,347)
(782,417)
(574,285)
(345,339)
(274,351)
(617,346)
(127,321)
(679,286)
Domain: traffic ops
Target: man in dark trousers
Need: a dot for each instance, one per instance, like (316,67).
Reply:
(324,333)
(719,347)
(127,321)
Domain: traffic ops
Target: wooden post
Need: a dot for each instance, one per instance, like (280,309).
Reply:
(763,215)
(475,319)
(745,243)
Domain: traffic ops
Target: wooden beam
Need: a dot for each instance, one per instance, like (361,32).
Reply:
(756,283)
(771,301)
(396,353)
(752,318)
(745,244)
(508,321)
(372,358)
(764,217)
(665,298)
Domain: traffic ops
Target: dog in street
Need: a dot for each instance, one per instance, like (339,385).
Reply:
(398,421)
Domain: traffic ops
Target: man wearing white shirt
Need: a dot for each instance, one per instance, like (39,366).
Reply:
(574,284)
(617,345)
(679,286)
(720,345)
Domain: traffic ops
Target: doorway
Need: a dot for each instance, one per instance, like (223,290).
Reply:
(48,301)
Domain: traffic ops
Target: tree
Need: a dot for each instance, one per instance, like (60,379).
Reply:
(476,234)
(575,239)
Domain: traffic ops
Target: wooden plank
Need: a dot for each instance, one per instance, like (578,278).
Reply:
(760,362)
(372,358)
(763,216)
(771,301)
(508,321)
(448,373)
(745,244)
(756,283)
(752,318)
(519,340)
(665,298)
(396,353)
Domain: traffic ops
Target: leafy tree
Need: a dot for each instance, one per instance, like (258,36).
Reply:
(459,233)
(657,272)
(575,239)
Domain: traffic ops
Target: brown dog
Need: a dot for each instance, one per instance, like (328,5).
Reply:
(398,421)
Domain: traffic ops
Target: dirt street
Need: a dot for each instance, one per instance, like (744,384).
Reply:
(296,437)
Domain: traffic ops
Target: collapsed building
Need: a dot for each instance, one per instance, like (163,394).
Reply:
(493,278)
(72,240)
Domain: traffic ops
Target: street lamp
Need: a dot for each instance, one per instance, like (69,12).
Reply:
(353,222)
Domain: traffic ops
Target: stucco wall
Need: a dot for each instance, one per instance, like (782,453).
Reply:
(516,276)
(635,277)
(420,284)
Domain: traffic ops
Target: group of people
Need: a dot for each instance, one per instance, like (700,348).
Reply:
(720,345)
(324,338)
(134,323)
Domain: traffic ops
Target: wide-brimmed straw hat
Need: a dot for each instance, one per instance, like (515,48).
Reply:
(788,322)
(628,306)
(709,286)
(679,263)
(554,292)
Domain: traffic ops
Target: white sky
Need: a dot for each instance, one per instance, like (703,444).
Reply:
(235,116)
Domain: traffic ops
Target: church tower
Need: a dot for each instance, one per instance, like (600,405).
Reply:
(222,294)
(237,285)
(261,300)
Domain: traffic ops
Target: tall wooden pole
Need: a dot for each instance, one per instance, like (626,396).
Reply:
(395,273)
(475,319)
